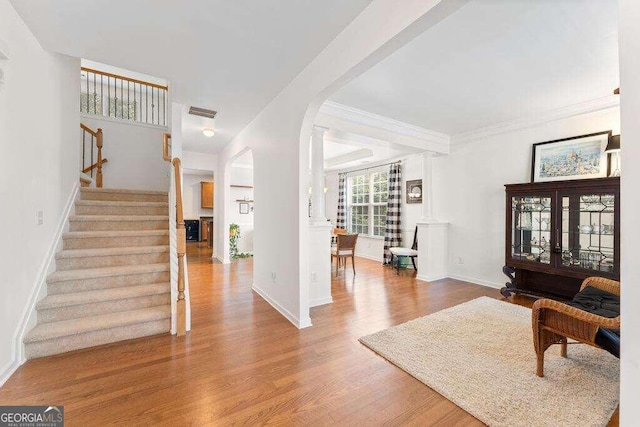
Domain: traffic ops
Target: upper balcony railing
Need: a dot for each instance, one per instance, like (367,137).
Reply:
(120,97)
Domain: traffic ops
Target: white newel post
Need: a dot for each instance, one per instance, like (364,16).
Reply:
(317,174)
(433,248)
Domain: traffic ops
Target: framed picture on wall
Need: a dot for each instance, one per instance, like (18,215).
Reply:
(244,208)
(414,191)
(578,157)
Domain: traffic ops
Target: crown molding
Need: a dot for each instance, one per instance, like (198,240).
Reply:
(599,104)
(382,122)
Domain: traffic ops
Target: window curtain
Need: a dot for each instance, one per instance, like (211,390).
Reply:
(392,232)
(342,215)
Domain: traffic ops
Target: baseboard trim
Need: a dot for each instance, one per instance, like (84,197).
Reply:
(431,278)
(477,281)
(8,370)
(321,301)
(223,260)
(29,314)
(372,258)
(300,324)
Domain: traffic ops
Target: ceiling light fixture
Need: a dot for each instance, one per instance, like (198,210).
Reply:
(208,132)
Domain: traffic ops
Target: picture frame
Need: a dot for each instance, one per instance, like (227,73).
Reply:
(578,157)
(244,208)
(413,191)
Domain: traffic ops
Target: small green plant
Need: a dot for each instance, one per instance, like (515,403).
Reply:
(234,236)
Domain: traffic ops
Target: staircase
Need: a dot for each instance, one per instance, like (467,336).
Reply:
(112,277)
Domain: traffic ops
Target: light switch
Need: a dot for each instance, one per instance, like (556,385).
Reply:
(39,217)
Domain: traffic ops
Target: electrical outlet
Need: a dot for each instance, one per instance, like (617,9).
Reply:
(314,276)
(39,217)
(273,276)
(460,260)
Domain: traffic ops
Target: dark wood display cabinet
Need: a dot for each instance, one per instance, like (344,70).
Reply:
(558,233)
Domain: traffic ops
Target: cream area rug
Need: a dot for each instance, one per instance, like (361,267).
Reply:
(480,356)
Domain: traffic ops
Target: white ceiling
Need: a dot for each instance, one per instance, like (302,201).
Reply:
(229,56)
(494,61)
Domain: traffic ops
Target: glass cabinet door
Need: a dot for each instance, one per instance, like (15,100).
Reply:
(588,239)
(531,228)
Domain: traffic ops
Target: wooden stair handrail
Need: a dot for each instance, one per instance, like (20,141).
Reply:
(181,233)
(89,130)
(117,76)
(93,166)
(99,140)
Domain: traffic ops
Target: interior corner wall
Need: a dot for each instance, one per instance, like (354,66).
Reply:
(134,152)
(469,190)
(39,140)
(192,195)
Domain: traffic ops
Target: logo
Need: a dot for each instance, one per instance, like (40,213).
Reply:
(31,416)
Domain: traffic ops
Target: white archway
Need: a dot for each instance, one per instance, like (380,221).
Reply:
(279,137)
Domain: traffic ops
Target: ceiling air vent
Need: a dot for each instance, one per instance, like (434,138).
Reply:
(202,112)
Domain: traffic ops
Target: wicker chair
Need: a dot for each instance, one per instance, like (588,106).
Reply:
(554,322)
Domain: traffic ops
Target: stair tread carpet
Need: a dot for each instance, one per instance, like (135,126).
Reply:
(114,190)
(119,203)
(102,295)
(118,251)
(107,218)
(113,233)
(48,331)
(90,273)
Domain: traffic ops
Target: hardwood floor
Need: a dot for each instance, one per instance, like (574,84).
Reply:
(243,362)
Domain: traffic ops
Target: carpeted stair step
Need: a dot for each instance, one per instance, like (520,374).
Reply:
(54,308)
(108,207)
(118,222)
(90,279)
(113,239)
(123,195)
(76,259)
(58,337)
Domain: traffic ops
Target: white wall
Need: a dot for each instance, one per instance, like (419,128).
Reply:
(373,247)
(469,190)
(41,165)
(242,176)
(630,206)
(134,152)
(192,195)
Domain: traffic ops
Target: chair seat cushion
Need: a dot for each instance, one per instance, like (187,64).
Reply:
(403,251)
(609,339)
(601,303)
(597,301)
(334,249)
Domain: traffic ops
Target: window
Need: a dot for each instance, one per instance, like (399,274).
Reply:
(367,203)
(93,103)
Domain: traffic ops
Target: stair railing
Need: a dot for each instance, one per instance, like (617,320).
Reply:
(112,95)
(92,137)
(181,237)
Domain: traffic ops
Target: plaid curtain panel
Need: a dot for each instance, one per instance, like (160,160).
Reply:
(342,214)
(392,232)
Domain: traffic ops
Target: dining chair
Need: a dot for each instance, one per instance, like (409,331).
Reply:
(345,248)
(335,232)
(411,252)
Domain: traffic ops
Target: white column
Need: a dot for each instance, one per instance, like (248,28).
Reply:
(427,186)
(317,175)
